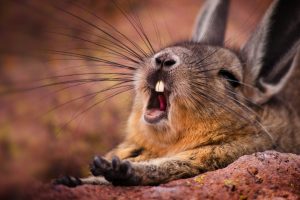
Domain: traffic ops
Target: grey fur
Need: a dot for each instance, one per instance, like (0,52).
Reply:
(270,52)
(211,22)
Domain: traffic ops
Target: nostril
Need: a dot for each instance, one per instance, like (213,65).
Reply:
(158,61)
(165,61)
(169,63)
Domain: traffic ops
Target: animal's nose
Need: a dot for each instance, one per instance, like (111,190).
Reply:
(165,61)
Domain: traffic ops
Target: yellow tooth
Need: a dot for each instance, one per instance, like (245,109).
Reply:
(160,86)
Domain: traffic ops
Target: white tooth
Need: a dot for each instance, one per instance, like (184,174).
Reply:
(160,86)
(157,86)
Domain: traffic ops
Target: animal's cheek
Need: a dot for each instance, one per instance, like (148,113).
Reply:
(181,87)
(141,74)
(140,85)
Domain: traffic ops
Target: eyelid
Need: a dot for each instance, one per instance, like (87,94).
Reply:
(230,77)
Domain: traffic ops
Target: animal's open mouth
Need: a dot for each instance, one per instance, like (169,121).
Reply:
(158,105)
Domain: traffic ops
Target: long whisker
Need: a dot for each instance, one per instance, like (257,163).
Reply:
(91,25)
(112,46)
(139,30)
(110,50)
(115,86)
(118,75)
(92,58)
(208,94)
(117,31)
(95,104)
(213,78)
(21,90)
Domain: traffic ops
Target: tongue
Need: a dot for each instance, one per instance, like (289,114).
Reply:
(162,102)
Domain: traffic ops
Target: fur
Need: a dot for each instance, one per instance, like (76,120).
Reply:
(221,106)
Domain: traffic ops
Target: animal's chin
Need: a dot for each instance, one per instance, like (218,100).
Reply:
(157,108)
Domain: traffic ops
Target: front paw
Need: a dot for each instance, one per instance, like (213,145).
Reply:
(117,172)
(68,181)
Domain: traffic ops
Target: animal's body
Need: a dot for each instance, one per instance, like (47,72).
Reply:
(199,105)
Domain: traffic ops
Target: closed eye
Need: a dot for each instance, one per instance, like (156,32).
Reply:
(233,81)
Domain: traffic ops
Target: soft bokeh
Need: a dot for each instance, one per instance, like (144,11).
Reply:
(46,132)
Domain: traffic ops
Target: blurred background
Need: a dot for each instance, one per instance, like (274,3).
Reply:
(53,83)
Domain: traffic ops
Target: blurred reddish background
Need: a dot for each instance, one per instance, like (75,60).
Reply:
(36,144)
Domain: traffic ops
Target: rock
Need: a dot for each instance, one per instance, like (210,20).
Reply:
(267,175)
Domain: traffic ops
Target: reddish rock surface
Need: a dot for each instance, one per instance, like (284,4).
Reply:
(267,175)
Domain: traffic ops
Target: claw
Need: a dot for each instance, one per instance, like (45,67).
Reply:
(68,181)
(97,161)
(115,163)
(117,172)
(99,166)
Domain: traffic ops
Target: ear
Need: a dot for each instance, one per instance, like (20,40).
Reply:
(272,52)
(211,22)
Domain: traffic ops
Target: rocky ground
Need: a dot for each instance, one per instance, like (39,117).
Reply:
(267,175)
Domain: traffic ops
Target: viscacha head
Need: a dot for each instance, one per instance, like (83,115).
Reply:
(203,81)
